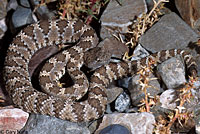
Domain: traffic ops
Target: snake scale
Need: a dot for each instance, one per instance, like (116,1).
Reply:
(62,102)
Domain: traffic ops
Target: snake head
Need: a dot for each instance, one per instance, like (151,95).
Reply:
(96,57)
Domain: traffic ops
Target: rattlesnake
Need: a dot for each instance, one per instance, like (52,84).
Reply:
(58,103)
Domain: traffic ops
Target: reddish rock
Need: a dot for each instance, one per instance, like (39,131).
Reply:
(189,11)
(12,120)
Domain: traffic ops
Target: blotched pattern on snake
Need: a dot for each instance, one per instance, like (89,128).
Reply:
(56,100)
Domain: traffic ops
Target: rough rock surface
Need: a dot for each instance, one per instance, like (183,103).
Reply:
(118,14)
(24,3)
(42,11)
(41,124)
(113,93)
(22,16)
(172,72)
(122,102)
(167,99)
(139,53)
(168,33)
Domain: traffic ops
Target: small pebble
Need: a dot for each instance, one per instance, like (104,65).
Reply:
(122,103)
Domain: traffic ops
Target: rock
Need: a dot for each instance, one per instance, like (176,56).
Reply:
(191,105)
(137,94)
(139,53)
(113,93)
(12,120)
(150,4)
(168,33)
(124,82)
(3,27)
(137,123)
(22,16)
(42,124)
(117,16)
(24,3)
(122,102)
(167,99)
(197,119)
(172,72)
(115,129)
(93,126)
(189,11)
(108,109)
(12,4)
(42,11)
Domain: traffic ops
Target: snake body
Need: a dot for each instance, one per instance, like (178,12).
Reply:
(61,102)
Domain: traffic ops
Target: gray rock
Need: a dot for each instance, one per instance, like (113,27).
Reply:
(124,82)
(150,4)
(197,119)
(139,53)
(193,104)
(93,126)
(172,72)
(42,11)
(167,99)
(115,129)
(122,103)
(12,4)
(108,109)
(168,33)
(3,27)
(24,3)
(117,16)
(42,124)
(113,93)
(35,2)
(22,16)
(135,89)
(137,123)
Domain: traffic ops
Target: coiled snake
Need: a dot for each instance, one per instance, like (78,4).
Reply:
(56,100)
